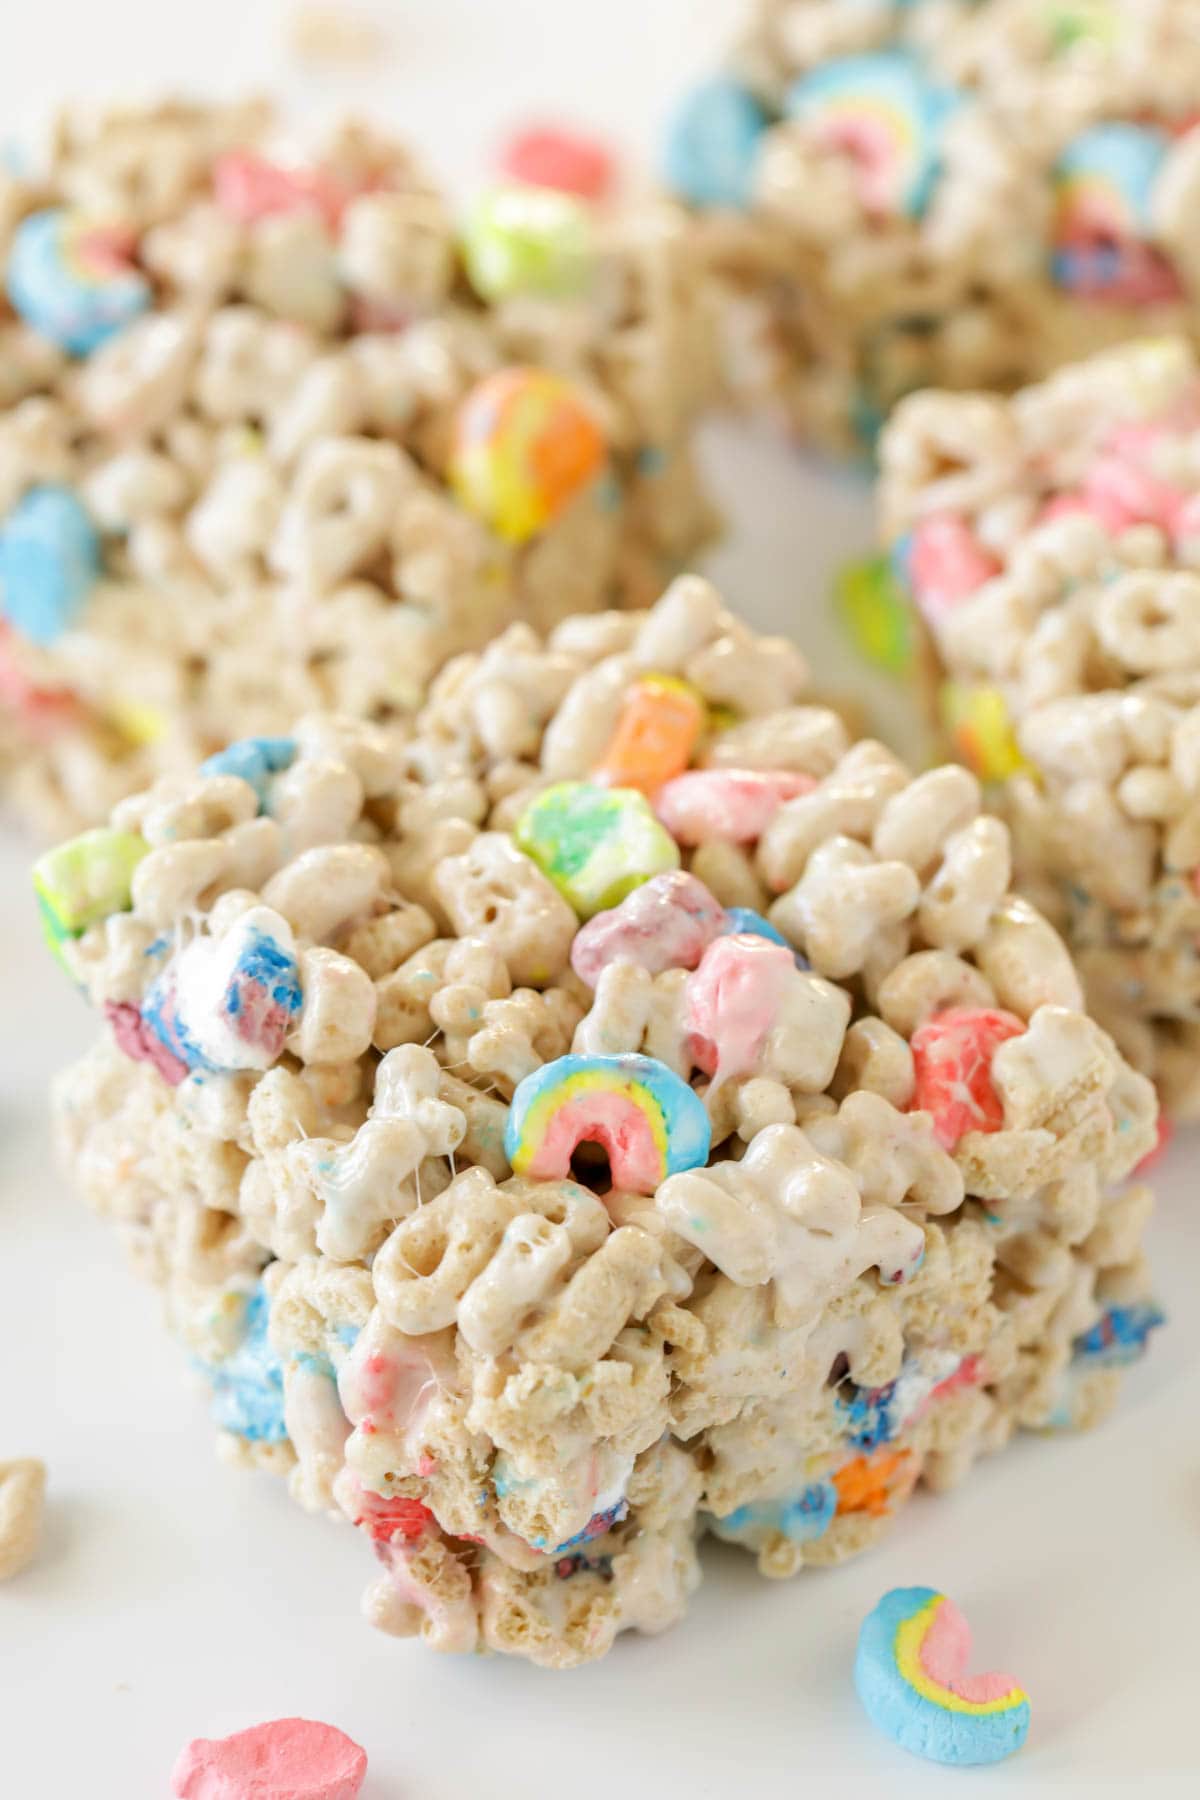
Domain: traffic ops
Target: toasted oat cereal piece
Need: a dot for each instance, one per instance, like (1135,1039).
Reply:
(624,1225)
(22,1498)
(951,193)
(272,441)
(1083,632)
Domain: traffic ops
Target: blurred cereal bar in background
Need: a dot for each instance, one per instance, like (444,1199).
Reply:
(960,193)
(277,432)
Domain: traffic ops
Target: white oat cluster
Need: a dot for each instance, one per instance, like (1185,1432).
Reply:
(957,193)
(279,433)
(1051,547)
(612,1108)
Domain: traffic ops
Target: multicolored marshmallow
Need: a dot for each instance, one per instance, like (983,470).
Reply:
(525,445)
(595,844)
(911,1676)
(659,727)
(229,1002)
(1103,225)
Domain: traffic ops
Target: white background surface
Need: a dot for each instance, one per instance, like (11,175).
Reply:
(176,1598)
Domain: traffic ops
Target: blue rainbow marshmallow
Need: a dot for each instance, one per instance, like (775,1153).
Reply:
(72,281)
(253,760)
(648,1120)
(885,112)
(712,144)
(49,563)
(911,1675)
(596,844)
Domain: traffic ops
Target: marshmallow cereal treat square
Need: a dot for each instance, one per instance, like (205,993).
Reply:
(611,1108)
(1049,547)
(952,193)
(280,433)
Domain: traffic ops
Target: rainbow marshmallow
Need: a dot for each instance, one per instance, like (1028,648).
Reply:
(648,1120)
(71,280)
(1104,187)
(525,445)
(910,1672)
(885,112)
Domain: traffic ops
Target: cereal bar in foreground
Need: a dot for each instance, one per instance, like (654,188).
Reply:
(279,435)
(613,1108)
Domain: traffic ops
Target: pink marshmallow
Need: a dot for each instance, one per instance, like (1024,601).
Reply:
(548,156)
(250,188)
(728,806)
(946,565)
(288,1759)
(733,1001)
(667,923)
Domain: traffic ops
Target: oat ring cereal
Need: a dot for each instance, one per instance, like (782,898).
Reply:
(540,1191)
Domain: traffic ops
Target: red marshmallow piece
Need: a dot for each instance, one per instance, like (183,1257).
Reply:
(552,157)
(287,1759)
(952,1056)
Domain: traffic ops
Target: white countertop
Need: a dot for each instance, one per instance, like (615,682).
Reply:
(176,1598)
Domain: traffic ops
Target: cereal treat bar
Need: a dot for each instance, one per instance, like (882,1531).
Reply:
(282,435)
(1050,546)
(615,1108)
(960,193)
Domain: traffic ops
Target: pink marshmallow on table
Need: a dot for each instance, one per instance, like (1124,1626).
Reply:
(287,1759)
(733,1001)
(946,564)
(667,923)
(731,806)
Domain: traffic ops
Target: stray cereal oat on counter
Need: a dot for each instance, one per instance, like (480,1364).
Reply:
(957,193)
(1050,545)
(278,433)
(609,1108)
